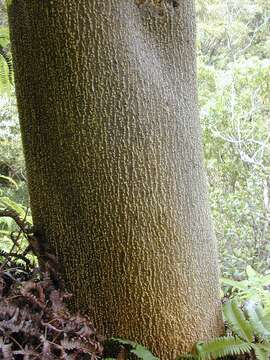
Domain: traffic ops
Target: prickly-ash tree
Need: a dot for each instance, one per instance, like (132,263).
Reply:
(108,109)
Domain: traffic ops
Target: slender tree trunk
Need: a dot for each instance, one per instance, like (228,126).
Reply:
(108,108)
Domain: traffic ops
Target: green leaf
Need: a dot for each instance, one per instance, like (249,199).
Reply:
(4,232)
(9,180)
(222,346)
(237,321)
(251,273)
(262,351)
(257,320)
(6,223)
(143,353)
(137,349)
(242,285)
(8,203)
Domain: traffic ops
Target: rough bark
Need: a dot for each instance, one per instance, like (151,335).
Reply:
(108,109)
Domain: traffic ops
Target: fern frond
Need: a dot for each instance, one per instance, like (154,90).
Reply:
(140,351)
(262,351)
(240,285)
(264,314)
(222,346)
(257,320)
(237,321)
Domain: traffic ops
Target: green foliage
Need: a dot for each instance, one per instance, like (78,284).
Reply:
(7,203)
(6,65)
(237,321)
(140,351)
(221,347)
(254,288)
(11,160)
(259,320)
(249,331)
(9,181)
(8,228)
(233,74)
(262,351)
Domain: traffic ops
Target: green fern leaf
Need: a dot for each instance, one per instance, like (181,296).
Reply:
(257,319)
(222,346)
(6,202)
(262,351)
(266,319)
(140,351)
(237,321)
(264,314)
(252,274)
(240,285)
(9,180)
(143,353)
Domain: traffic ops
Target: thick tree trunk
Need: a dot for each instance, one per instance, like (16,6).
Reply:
(108,108)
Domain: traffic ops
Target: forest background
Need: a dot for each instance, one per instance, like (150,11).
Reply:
(233,42)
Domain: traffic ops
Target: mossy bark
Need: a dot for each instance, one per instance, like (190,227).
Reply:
(108,109)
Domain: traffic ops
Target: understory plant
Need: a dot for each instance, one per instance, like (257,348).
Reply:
(248,331)
(131,348)
(246,314)
(255,288)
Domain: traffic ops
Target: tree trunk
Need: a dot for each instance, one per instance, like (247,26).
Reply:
(108,108)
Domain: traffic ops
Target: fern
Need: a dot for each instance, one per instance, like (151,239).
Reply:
(6,202)
(140,351)
(9,181)
(250,329)
(253,288)
(237,321)
(222,346)
(262,351)
(259,323)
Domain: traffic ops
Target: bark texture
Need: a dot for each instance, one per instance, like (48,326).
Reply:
(108,108)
